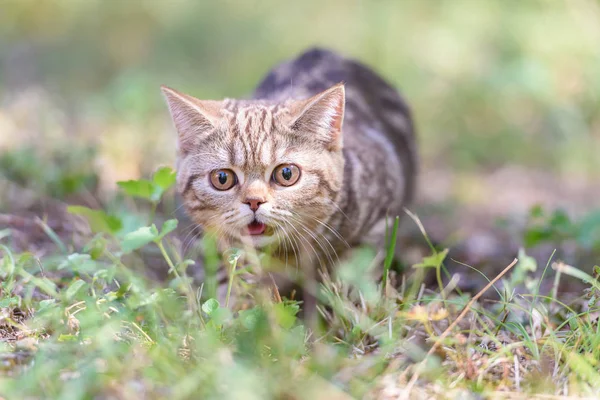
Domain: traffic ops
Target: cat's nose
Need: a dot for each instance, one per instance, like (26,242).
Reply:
(254,203)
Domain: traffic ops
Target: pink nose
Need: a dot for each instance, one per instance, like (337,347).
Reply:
(254,203)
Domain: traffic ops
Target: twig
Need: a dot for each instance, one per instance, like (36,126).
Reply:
(136,326)
(417,221)
(448,330)
(517,373)
(275,289)
(230,281)
(17,222)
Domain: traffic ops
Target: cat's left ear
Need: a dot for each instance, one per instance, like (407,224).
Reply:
(194,119)
(321,116)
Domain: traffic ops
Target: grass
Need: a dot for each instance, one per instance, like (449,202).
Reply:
(81,321)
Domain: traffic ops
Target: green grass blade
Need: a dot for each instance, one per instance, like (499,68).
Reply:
(389,257)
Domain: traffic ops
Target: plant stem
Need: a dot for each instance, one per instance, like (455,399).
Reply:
(152,212)
(555,285)
(165,255)
(389,257)
(230,283)
(190,292)
(438,275)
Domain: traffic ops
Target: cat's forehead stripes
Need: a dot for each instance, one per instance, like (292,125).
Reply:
(253,139)
(254,121)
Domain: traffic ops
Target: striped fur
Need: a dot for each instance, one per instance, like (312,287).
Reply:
(354,173)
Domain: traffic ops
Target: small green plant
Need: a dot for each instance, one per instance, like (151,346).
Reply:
(557,227)
(56,171)
(151,190)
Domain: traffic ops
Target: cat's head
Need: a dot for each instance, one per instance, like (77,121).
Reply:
(260,172)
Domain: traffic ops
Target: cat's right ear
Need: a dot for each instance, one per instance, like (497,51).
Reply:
(321,116)
(194,119)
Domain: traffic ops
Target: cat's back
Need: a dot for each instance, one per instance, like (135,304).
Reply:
(375,114)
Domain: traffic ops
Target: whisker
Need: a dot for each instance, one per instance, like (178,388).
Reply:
(190,238)
(318,241)
(295,247)
(339,209)
(329,227)
(281,239)
(178,208)
(302,238)
(315,239)
(293,243)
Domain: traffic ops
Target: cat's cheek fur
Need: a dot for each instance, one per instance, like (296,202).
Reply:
(202,201)
(308,202)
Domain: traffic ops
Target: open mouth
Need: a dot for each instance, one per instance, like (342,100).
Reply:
(256,228)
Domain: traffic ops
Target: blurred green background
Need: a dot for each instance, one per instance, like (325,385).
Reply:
(493,84)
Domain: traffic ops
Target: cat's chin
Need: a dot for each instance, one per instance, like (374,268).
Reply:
(257,241)
(260,241)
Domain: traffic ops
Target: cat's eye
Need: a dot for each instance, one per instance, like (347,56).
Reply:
(223,179)
(286,174)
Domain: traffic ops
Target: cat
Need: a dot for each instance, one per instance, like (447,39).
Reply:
(317,162)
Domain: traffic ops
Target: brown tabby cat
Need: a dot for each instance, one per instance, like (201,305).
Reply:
(312,165)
